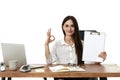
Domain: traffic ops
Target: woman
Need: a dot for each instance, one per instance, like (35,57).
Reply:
(69,49)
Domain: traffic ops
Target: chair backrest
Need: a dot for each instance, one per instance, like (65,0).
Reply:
(82,33)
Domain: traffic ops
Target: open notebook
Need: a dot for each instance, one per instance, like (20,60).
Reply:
(61,68)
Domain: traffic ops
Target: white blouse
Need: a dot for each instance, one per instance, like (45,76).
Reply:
(62,53)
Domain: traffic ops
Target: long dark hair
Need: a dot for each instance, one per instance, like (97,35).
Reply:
(76,38)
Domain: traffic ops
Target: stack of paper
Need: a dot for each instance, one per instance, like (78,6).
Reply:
(61,68)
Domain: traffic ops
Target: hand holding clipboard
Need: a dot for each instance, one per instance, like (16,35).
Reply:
(94,43)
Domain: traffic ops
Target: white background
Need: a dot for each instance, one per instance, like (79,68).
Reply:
(27,21)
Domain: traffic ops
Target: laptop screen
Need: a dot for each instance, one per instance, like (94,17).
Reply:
(12,51)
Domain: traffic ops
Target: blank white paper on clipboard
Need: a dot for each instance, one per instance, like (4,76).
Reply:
(94,43)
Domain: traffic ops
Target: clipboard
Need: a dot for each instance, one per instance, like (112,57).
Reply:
(94,43)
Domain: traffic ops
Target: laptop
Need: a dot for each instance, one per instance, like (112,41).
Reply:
(12,51)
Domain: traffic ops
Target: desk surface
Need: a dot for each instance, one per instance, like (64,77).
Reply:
(92,70)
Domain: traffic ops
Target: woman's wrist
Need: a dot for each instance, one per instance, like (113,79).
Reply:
(46,43)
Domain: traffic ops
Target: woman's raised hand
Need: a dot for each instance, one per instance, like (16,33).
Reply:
(50,38)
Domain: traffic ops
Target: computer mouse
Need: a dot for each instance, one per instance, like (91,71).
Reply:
(25,68)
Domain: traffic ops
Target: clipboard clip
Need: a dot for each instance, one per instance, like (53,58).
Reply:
(95,33)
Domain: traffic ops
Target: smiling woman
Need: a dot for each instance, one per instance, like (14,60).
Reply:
(69,49)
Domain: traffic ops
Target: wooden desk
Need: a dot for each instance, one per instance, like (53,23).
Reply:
(92,70)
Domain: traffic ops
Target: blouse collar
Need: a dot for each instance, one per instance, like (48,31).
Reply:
(64,43)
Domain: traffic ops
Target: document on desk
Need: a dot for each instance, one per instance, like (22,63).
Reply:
(61,68)
(94,43)
(39,70)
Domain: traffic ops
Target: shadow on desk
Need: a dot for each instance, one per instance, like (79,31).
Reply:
(9,78)
(101,78)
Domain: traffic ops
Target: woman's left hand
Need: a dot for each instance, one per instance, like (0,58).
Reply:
(103,55)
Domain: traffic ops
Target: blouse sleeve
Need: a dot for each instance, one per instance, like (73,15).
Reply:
(53,57)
